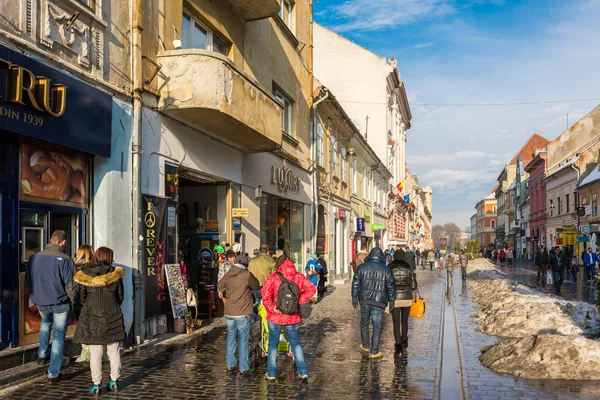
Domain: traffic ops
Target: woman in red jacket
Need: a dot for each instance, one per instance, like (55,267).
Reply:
(276,320)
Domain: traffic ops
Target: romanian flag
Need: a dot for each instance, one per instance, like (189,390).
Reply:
(400,186)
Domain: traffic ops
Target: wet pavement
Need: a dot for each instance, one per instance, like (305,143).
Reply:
(525,272)
(442,361)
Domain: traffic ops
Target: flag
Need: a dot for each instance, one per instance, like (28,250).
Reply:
(406,198)
(400,186)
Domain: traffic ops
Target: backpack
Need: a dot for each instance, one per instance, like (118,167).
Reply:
(288,296)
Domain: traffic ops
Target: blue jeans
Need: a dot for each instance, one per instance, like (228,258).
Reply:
(293,336)
(373,314)
(55,317)
(463,272)
(238,326)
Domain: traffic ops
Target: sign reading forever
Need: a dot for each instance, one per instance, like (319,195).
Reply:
(176,290)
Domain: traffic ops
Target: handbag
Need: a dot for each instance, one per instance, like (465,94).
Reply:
(549,278)
(417,309)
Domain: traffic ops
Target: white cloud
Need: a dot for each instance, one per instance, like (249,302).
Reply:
(430,159)
(422,45)
(450,182)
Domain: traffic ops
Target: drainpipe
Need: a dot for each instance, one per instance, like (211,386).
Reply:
(313,156)
(136,155)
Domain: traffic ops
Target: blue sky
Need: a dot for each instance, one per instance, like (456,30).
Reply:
(474,52)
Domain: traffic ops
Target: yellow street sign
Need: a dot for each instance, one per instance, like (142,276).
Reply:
(239,212)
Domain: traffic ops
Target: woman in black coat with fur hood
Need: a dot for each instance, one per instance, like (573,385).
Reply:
(405,280)
(101,320)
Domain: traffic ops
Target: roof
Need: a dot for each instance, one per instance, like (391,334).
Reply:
(592,177)
(492,193)
(536,141)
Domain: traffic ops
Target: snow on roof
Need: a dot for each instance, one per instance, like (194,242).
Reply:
(562,167)
(592,177)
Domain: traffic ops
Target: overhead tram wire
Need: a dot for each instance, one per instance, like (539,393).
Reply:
(524,103)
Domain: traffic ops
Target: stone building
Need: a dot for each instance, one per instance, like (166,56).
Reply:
(68,123)
(487,220)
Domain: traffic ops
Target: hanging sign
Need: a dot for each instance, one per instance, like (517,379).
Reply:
(321,247)
(378,227)
(177,290)
(171,182)
(360,224)
(239,212)
(211,226)
(585,229)
(583,239)
(154,243)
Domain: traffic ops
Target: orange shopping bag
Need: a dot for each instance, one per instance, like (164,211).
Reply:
(417,309)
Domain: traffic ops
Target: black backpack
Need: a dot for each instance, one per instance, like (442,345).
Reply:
(288,297)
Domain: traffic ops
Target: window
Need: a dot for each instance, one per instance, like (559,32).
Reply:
(89,3)
(320,143)
(334,154)
(584,200)
(494,209)
(194,35)
(594,204)
(559,205)
(567,202)
(493,224)
(286,115)
(364,176)
(551,208)
(344,165)
(286,12)
(354,176)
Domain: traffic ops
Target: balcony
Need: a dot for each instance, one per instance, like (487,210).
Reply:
(252,10)
(206,91)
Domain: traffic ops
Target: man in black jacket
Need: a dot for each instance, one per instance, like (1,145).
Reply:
(541,262)
(373,288)
(49,278)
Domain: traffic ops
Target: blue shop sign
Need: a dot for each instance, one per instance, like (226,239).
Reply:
(360,224)
(583,239)
(43,103)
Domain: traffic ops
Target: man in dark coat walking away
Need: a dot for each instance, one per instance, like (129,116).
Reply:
(373,288)
(405,280)
(49,280)
(541,263)
(101,321)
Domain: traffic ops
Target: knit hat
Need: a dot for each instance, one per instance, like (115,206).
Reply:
(314,256)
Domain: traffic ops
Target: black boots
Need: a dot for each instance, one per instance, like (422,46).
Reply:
(399,350)
(405,343)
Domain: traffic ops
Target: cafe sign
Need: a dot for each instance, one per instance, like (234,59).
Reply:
(284,179)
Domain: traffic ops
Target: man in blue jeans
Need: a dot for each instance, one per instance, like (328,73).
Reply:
(276,320)
(236,291)
(49,280)
(373,288)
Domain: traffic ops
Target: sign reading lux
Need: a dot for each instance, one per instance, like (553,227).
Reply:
(19,85)
(285,179)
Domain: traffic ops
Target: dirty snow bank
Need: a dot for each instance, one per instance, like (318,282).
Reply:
(548,336)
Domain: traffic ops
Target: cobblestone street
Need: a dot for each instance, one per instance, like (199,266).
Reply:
(338,370)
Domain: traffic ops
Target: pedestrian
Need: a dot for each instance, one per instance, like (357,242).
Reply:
(373,287)
(509,257)
(262,266)
(553,260)
(464,260)
(49,281)
(417,257)
(451,264)
(312,272)
(589,261)
(541,263)
(388,256)
(431,260)
(409,256)
(564,263)
(101,321)
(323,274)
(230,257)
(359,259)
(285,278)
(237,286)
(83,258)
(405,281)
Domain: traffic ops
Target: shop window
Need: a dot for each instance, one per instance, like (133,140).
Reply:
(286,115)
(282,226)
(196,35)
(320,144)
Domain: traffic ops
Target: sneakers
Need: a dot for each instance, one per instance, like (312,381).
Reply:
(270,378)
(113,386)
(363,348)
(376,356)
(96,389)
(303,377)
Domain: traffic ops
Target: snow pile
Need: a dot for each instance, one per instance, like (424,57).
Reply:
(548,337)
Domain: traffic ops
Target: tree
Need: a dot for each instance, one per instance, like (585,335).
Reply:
(451,231)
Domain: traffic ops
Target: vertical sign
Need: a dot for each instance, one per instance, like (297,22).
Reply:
(171,182)
(177,290)
(155,240)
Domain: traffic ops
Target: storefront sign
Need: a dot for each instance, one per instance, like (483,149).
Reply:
(341,213)
(569,235)
(53,175)
(583,239)
(285,179)
(321,247)
(211,226)
(585,229)
(237,223)
(205,254)
(45,104)
(177,290)
(239,212)
(171,182)
(558,241)
(360,224)
(366,217)
(154,243)
(378,227)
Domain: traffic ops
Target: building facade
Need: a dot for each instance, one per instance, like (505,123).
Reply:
(474,227)
(537,201)
(487,220)
(65,143)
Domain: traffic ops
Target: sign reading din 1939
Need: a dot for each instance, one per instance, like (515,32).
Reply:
(284,179)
